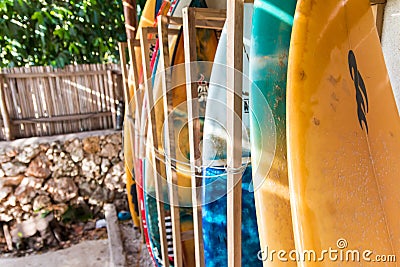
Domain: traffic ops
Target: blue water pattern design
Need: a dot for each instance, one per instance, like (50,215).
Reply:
(215,220)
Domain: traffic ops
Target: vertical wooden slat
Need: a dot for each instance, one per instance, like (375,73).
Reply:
(92,98)
(130,18)
(83,98)
(76,93)
(54,110)
(40,102)
(137,95)
(104,104)
(88,95)
(107,95)
(102,96)
(4,112)
(122,53)
(44,101)
(378,11)
(61,100)
(96,97)
(23,103)
(46,97)
(31,88)
(15,101)
(112,97)
(145,48)
(99,94)
(169,142)
(21,100)
(234,24)
(71,107)
(133,76)
(189,36)
(21,92)
(10,104)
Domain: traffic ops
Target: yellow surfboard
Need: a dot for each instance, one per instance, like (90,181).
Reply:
(146,20)
(343,136)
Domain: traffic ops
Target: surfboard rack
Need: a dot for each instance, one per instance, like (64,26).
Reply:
(169,142)
(378,8)
(234,60)
(192,19)
(159,167)
(206,18)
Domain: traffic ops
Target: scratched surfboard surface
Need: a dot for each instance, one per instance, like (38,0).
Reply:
(343,132)
(272,25)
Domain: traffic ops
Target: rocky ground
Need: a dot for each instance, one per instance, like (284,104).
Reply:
(135,249)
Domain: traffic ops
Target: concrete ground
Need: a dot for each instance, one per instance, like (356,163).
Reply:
(93,253)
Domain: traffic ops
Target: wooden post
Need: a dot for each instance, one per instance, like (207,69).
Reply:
(134,77)
(189,35)
(137,93)
(145,48)
(130,18)
(4,111)
(234,24)
(122,54)
(112,97)
(169,147)
(378,9)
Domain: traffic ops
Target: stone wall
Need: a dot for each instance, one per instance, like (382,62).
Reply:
(53,175)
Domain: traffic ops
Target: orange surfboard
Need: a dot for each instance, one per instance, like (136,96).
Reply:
(343,136)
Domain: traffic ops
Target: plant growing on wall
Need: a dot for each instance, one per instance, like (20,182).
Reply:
(59,32)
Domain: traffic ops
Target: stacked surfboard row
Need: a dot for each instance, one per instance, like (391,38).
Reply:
(320,142)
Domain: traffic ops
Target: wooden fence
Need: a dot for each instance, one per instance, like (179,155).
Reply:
(39,101)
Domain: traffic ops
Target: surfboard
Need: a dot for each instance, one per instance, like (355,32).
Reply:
(270,39)
(214,210)
(133,165)
(206,51)
(343,133)
(140,166)
(147,17)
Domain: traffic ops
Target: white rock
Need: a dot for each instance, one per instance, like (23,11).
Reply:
(62,189)
(5,191)
(115,139)
(109,151)
(28,153)
(105,165)
(40,202)
(13,169)
(11,201)
(5,217)
(77,154)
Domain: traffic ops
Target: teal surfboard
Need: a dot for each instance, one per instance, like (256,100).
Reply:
(270,39)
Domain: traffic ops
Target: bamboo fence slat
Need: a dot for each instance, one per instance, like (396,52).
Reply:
(43,101)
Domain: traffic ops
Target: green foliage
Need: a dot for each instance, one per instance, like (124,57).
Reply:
(60,32)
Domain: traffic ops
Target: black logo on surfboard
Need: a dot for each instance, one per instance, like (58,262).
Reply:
(361,91)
